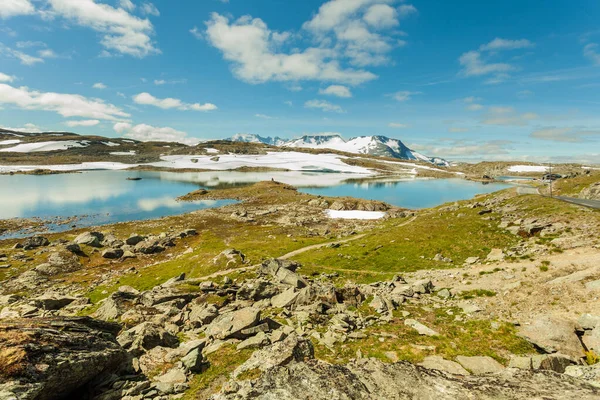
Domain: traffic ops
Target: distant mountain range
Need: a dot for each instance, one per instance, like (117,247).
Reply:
(381,146)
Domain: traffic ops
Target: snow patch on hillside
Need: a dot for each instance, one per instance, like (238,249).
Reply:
(293,161)
(528,168)
(45,146)
(354,214)
(10,141)
(86,166)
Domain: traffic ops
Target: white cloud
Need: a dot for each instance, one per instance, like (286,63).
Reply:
(27,128)
(403,95)
(47,53)
(147,133)
(324,105)
(475,66)
(257,55)
(397,125)
(591,51)
(263,116)
(473,103)
(505,44)
(196,33)
(122,32)
(12,8)
(507,116)
(169,103)
(99,85)
(6,78)
(150,9)
(67,105)
(336,90)
(87,122)
(127,5)
(25,59)
(466,149)
(564,134)
(160,82)
(28,43)
(407,9)
(381,16)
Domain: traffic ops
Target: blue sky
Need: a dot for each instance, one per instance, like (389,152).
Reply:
(465,80)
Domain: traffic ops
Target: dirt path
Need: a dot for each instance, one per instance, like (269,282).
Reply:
(318,246)
(300,251)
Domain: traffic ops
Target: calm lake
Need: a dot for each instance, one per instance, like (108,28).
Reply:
(104,197)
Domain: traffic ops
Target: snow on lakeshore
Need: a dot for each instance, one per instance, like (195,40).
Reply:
(354,214)
(86,166)
(293,161)
(10,141)
(45,146)
(528,168)
(124,153)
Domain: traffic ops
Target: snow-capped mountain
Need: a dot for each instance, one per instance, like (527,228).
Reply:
(381,146)
(251,138)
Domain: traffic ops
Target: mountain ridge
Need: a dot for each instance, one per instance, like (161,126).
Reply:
(375,145)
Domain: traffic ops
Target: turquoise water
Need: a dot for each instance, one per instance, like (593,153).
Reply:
(415,193)
(106,197)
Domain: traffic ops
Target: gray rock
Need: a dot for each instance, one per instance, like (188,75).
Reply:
(495,255)
(283,271)
(58,263)
(419,327)
(285,299)
(230,325)
(194,361)
(587,373)
(439,363)
(480,365)
(92,239)
(255,342)
(551,362)
(35,242)
(112,254)
(589,321)
(202,314)
(52,301)
(553,335)
(278,354)
(369,379)
(146,336)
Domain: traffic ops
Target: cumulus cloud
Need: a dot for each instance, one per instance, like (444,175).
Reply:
(475,66)
(507,116)
(87,122)
(397,125)
(381,16)
(506,44)
(263,116)
(99,85)
(149,133)
(324,106)
(127,5)
(67,105)
(12,8)
(27,128)
(590,51)
(407,9)
(150,9)
(336,90)
(122,32)
(160,82)
(403,95)
(6,78)
(254,51)
(169,103)
(196,33)
(564,134)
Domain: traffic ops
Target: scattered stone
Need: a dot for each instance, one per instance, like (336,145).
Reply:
(440,364)
(552,334)
(254,342)
(92,239)
(480,365)
(113,254)
(34,242)
(230,325)
(419,327)
(495,255)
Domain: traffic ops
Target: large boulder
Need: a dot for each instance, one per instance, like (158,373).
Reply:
(146,336)
(93,239)
(52,358)
(231,324)
(552,335)
(370,379)
(34,242)
(283,271)
(59,262)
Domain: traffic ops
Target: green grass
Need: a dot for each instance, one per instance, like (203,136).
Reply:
(469,338)
(411,247)
(222,364)
(471,294)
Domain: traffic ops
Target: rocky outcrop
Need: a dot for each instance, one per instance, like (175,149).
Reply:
(46,359)
(369,379)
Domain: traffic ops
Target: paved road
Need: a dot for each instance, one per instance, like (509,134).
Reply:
(582,202)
